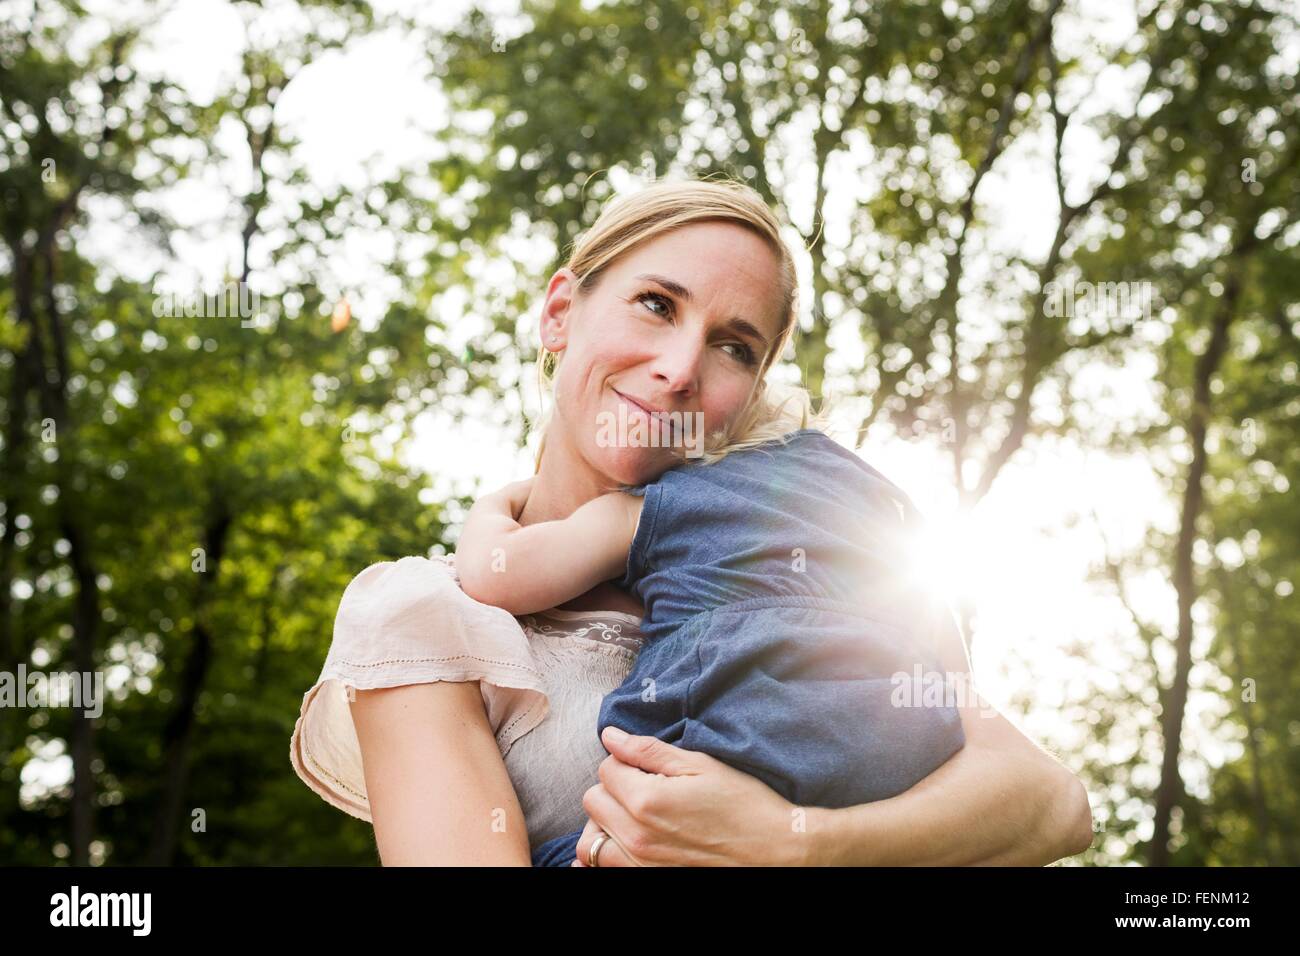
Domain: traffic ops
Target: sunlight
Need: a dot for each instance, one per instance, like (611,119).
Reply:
(1019,563)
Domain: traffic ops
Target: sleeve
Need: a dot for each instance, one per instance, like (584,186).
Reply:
(638,554)
(828,708)
(408,622)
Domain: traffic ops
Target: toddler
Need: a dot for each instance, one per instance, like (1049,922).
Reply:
(779,624)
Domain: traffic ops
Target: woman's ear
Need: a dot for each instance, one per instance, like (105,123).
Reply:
(555,310)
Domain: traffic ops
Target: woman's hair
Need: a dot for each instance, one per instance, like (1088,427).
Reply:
(772,410)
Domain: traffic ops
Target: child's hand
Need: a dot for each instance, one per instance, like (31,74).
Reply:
(508,500)
(516,494)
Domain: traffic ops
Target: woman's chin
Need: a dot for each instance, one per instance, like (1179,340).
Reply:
(635,466)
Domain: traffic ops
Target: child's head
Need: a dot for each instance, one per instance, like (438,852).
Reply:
(776,410)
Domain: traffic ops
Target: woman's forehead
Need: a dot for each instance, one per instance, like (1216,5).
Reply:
(734,270)
(708,247)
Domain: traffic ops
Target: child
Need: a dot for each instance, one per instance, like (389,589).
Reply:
(778,623)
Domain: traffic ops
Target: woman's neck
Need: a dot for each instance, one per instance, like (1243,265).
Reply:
(563,483)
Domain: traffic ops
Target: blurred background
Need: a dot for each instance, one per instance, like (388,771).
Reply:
(268,299)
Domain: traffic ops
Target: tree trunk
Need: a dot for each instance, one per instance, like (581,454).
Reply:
(179,733)
(1170,789)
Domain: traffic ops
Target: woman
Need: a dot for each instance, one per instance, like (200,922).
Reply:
(429,720)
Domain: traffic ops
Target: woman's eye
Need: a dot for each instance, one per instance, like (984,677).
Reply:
(743,352)
(653,297)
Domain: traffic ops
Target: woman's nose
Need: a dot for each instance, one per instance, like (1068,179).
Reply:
(678,365)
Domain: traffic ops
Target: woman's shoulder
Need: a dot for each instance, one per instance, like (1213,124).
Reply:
(393,587)
(408,567)
(414,589)
(408,621)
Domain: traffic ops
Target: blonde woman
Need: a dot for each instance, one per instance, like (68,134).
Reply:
(441,719)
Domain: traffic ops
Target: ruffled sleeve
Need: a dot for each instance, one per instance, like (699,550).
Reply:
(408,622)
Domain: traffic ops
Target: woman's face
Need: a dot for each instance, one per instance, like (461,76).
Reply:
(690,341)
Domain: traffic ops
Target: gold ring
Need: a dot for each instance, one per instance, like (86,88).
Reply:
(593,855)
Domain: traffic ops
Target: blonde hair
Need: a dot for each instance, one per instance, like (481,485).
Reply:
(772,410)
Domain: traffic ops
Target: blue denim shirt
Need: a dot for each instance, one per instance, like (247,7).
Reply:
(781,625)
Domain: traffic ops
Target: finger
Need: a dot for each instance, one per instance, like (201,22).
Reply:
(611,854)
(633,787)
(649,754)
(627,785)
(589,831)
(607,815)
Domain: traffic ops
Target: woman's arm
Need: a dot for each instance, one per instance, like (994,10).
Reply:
(432,766)
(1001,800)
(528,568)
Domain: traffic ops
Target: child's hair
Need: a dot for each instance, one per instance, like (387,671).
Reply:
(776,411)
(773,410)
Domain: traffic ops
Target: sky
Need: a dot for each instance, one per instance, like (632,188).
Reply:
(1023,556)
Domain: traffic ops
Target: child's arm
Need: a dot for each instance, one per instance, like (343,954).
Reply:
(530,568)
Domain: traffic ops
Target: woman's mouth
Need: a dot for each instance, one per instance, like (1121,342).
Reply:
(663,420)
(648,412)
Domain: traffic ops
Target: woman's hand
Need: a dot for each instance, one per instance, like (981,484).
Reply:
(665,806)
